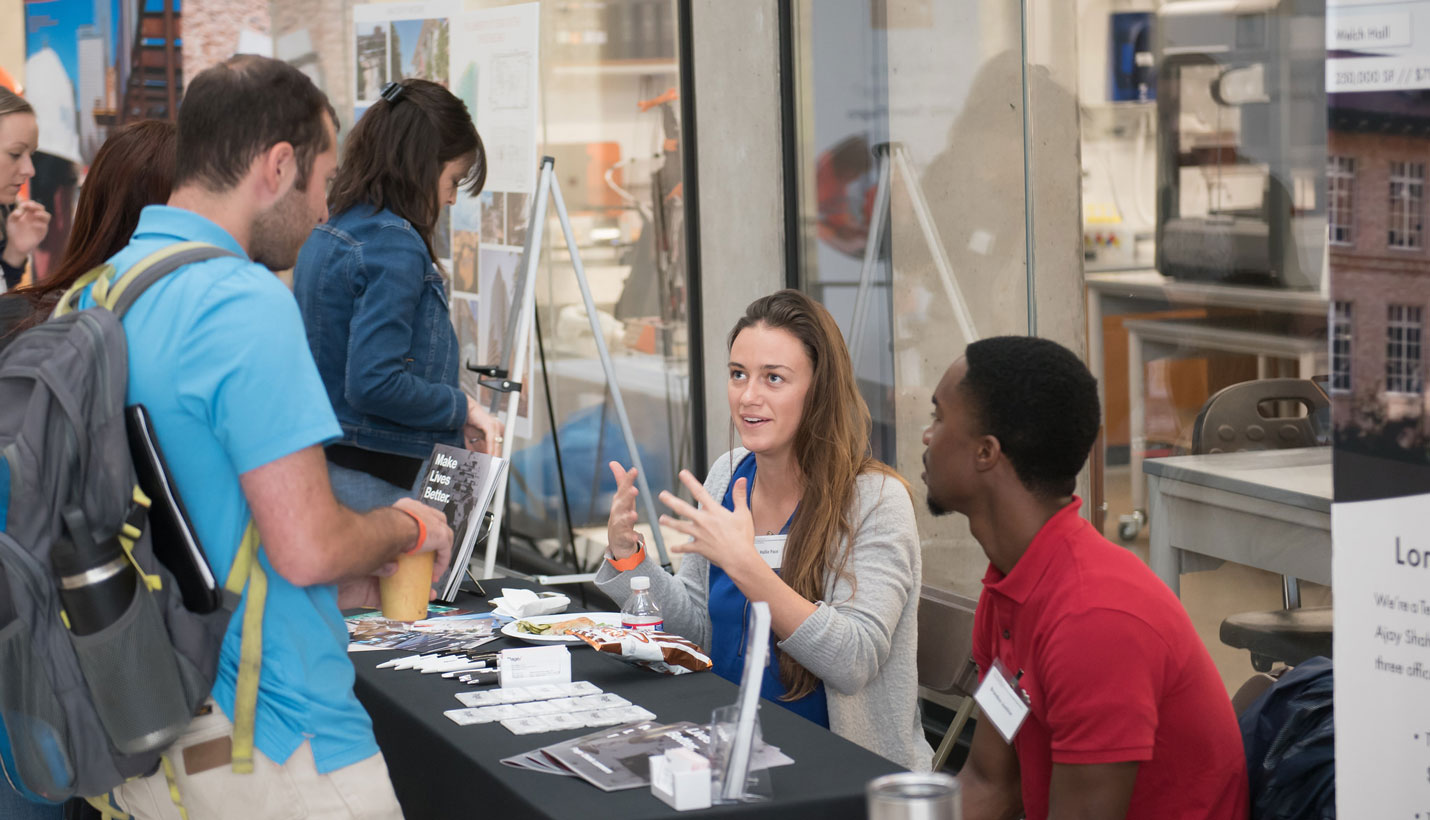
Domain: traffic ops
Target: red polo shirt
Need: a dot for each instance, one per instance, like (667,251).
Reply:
(1114,672)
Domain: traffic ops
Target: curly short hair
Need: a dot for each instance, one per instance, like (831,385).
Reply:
(1040,401)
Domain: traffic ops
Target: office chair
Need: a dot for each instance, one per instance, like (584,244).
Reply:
(1251,416)
(945,658)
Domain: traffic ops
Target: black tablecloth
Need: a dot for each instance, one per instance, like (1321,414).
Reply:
(441,770)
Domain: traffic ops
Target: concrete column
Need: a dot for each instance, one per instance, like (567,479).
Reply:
(739,156)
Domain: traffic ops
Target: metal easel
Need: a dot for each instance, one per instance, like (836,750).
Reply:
(505,379)
(893,157)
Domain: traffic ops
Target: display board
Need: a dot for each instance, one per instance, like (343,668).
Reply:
(1379,104)
(495,70)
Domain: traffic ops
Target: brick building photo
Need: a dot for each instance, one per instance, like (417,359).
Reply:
(1378,151)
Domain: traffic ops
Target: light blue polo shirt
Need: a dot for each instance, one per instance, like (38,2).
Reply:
(218,354)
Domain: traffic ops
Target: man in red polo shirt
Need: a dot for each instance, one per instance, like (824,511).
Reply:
(1126,716)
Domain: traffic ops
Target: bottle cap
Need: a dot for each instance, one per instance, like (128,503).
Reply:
(639,583)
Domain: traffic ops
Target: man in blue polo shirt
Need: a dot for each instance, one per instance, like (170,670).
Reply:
(218,355)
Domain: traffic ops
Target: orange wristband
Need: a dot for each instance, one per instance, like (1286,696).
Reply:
(421,532)
(631,561)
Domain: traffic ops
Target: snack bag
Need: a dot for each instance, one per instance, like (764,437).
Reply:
(656,651)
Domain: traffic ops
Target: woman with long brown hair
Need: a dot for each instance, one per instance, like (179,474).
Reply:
(826,537)
(133,168)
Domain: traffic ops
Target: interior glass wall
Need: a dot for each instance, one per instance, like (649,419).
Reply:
(604,101)
(913,228)
(1206,213)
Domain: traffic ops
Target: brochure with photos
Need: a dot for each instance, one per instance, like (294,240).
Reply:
(461,484)
(617,759)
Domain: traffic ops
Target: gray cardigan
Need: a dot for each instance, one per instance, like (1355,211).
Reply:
(862,641)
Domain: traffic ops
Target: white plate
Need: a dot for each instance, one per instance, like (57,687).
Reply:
(601,618)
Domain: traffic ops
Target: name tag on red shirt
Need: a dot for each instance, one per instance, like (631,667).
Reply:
(1002,702)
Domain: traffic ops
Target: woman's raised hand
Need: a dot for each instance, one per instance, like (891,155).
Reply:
(621,528)
(26,228)
(725,537)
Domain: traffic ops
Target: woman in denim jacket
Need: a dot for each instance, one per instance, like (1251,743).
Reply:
(375,303)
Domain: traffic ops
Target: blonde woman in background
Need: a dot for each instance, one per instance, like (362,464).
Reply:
(23,225)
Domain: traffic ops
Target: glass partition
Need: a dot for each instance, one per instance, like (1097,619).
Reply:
(595,84)
(911,201)
(1206,214)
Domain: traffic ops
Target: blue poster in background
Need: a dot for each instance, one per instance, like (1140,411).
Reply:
(72,70)
(90,66)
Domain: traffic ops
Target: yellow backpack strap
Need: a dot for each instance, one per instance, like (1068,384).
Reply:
(107,810)
(129,533)
(108,294)
(247,571)
(173,786)
(107,290)
(67,301)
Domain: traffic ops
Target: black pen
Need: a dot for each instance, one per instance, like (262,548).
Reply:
(391,662)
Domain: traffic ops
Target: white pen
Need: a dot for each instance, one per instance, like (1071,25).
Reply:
(444,664)
(416,661)
(465,668)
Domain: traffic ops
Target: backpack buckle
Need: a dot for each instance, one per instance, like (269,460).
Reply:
(135,519)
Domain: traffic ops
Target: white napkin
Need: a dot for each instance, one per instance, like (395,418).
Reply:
(523,603)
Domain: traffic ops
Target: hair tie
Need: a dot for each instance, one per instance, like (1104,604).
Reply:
(392,92)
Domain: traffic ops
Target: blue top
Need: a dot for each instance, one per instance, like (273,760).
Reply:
(375,309)
(729,618)
(217,355)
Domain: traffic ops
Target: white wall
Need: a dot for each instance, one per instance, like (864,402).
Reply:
(12,38)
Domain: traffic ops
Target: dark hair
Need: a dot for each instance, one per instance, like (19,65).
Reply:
(831,448)
(234,111)
(134,168)
(1039,400)
(394,156)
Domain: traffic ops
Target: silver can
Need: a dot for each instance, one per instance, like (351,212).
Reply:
(913,796)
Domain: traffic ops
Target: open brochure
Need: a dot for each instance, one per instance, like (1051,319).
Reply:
(461,484)
(618,758)
(445,627)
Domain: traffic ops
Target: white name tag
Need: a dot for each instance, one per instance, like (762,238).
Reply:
(1001,702)
(771,548)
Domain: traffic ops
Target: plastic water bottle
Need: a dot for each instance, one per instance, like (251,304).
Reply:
(640,612)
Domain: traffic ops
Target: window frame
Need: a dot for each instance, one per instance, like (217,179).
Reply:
(1406,206)
(1340,199)
(1342,346)
(1404,354)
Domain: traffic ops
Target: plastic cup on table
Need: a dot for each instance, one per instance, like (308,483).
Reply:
(405,592)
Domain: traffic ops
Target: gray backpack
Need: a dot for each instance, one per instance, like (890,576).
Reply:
(82,713)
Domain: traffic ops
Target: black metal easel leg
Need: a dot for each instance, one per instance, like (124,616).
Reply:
(600,451)
(556,446)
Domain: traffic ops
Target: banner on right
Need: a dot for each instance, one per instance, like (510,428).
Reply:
(1378,93)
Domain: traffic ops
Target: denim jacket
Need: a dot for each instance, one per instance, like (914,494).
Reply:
(375,308)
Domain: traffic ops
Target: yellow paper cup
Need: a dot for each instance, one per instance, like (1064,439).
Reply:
(405,592)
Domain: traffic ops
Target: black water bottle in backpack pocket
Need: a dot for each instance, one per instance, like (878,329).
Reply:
(119,637)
